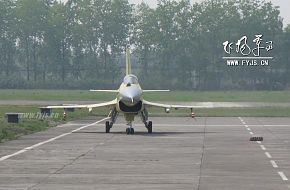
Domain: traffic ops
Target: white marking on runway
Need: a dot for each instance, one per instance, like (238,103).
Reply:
(268,154)
(49,140)
(283,176)
(272,125)
(274,164)
(263,147)
(69,125)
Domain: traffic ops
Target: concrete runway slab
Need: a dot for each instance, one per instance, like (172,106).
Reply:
(182,153)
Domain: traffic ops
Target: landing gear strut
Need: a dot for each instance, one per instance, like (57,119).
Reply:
(109,124)
(144,118)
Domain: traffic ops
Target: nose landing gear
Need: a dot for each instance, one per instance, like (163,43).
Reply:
(130,129)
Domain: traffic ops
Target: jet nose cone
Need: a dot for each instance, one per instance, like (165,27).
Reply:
(129,100)
(130,96)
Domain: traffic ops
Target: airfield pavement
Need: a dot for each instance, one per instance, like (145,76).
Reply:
(209,153)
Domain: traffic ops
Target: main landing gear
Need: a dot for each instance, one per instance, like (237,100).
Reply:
(149,127)
(144,118)
(109,124)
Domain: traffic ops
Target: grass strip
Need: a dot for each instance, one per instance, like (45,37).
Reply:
(10,131)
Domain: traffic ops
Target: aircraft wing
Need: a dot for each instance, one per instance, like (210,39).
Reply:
(89,106)
(114,91)
(168,106)
(156,90)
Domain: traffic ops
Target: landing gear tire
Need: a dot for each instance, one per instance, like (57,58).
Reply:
(149,127)
(130,131)
(108,127)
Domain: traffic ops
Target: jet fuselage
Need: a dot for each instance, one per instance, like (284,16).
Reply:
(130,100)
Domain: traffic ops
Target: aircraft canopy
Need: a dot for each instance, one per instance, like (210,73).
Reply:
(131,79)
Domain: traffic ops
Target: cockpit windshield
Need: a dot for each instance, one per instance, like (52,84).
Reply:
(131,79)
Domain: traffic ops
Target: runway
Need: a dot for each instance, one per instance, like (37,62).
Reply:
(210,153)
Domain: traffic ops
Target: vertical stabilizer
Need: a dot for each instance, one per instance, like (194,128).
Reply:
(128,61)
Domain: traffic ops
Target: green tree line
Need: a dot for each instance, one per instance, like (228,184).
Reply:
(177,45)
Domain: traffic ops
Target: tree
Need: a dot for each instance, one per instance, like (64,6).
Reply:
(31,18)
(7,37)
(177,45)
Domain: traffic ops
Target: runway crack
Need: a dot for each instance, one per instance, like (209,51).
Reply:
(202,155)
(58,171)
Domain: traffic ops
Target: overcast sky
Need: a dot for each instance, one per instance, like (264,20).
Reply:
(283,4)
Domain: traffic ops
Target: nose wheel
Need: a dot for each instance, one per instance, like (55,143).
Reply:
(130,131)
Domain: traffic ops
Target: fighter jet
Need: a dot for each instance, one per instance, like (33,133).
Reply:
(129,101)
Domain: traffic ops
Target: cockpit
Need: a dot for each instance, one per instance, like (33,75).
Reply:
(130,79)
